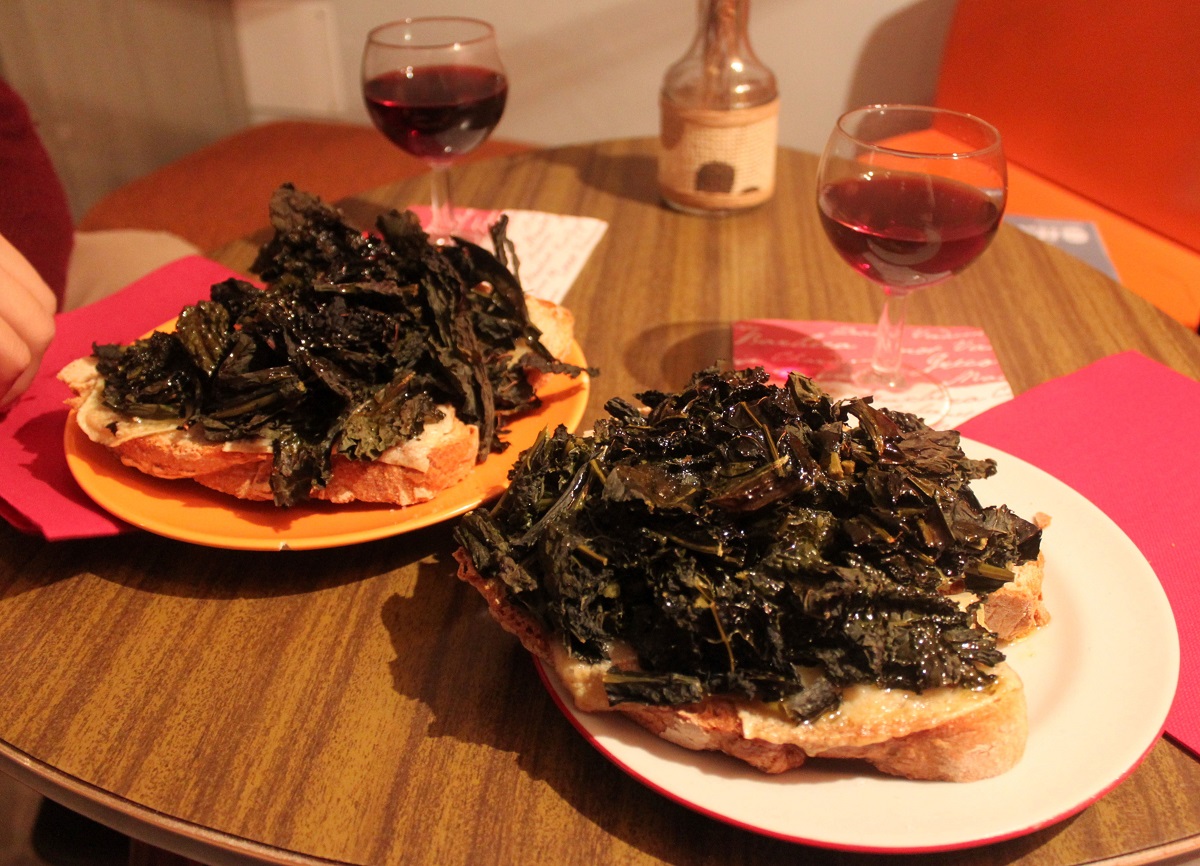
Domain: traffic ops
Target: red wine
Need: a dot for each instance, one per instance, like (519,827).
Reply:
(437,112)
(907,231)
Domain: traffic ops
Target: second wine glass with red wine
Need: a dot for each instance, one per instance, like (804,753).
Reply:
(437,89)
(909,195)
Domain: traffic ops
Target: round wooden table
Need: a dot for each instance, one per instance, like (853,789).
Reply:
(357,705)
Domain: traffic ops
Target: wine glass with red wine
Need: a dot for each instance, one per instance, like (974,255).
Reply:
(436,88)
(909,195)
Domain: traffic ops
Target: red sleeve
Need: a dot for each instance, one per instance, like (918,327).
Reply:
(34,213)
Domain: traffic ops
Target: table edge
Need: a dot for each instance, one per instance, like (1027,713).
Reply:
(157,829)
(1157,854)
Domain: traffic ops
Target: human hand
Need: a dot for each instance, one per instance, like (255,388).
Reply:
(27,308)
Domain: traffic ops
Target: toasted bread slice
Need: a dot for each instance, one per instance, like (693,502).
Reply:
(408,473)
(946,734)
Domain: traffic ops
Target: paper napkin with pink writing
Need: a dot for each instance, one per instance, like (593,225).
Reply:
(551,248)
(960,357)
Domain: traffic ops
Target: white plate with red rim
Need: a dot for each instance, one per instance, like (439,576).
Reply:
(1099,681)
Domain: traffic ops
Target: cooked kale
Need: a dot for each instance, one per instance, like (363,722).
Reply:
(352,345)
(753,540)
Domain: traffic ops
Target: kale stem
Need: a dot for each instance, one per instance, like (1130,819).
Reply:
(710,597)
(574,488)
(594,554)
(724,637)
(766,432)
(597,471)
(717,550)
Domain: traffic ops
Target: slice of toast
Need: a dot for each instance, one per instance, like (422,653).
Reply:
(408,473)
(759,570)
(945,734)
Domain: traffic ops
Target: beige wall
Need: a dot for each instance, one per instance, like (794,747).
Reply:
(118,87)
(591,69)
(122,86)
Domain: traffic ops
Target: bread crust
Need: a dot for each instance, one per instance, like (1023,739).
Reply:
(556,323)
(954,735)
(412,472)
(1017,609)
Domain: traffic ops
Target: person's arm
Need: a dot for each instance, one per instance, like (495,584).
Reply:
(27,308)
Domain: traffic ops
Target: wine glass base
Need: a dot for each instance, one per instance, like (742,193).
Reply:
(918,393)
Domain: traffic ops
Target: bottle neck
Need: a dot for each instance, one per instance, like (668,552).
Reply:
(720,69)
(724,42)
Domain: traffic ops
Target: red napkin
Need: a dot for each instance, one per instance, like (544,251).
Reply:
(37,492)
(1125,433)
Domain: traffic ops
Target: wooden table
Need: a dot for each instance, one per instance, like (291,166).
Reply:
(358,705)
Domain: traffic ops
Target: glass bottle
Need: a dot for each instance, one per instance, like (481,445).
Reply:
(720,118)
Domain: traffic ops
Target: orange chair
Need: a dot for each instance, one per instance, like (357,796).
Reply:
(1098,102)
(220,193)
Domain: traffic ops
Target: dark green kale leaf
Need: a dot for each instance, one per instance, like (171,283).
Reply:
(154,378)
(752,540)
(389,416)
(646,688)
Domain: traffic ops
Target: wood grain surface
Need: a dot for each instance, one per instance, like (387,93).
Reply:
(358,705)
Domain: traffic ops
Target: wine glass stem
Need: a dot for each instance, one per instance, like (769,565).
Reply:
(442,223)
(886,361)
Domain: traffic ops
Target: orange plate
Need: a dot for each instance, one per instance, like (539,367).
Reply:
(187,511)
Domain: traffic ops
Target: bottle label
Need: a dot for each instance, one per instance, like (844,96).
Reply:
(713,160)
